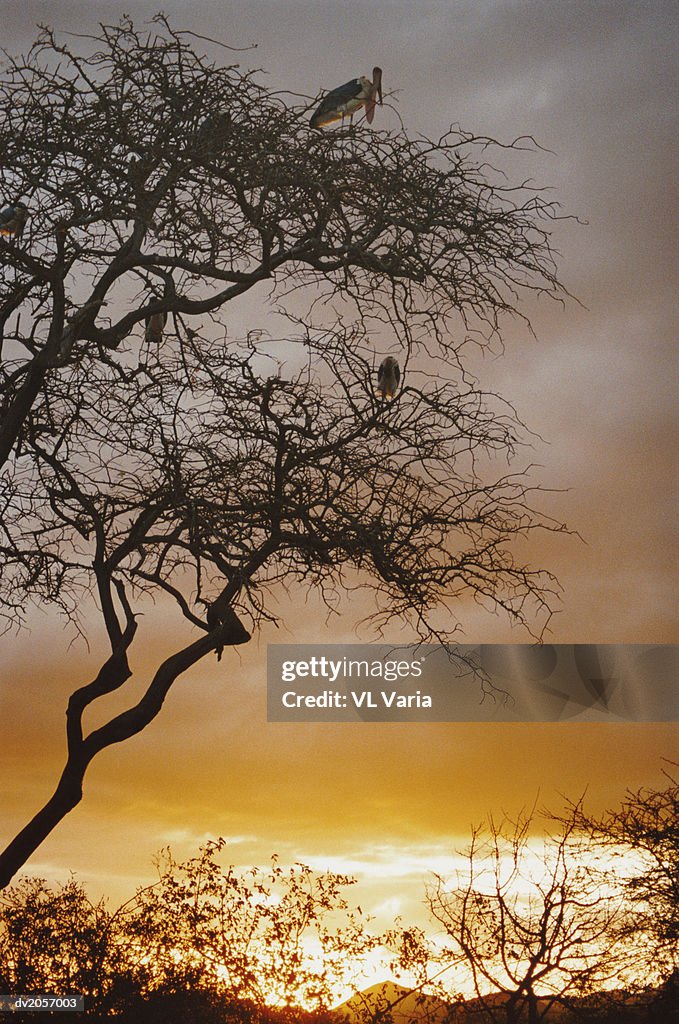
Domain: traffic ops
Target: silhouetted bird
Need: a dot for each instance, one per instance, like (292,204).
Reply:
(388,376)
(348,98)
(155,325)
(13,218)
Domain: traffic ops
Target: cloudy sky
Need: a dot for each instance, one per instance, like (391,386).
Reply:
(593,83)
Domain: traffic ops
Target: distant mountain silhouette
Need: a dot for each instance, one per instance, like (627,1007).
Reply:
(389,1002)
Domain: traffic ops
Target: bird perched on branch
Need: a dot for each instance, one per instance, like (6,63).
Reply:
(348,98)
(212,132)
(155,324)
(13,219)
(388,376)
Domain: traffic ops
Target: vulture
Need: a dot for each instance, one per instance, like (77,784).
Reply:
(13,219)
(348,98)
(155,324)
(388,377)
(212,131)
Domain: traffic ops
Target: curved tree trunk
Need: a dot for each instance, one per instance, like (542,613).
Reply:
(82,750)
(66,796)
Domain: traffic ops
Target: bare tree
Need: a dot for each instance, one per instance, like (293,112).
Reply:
(170,459)
(641,839)
(526,922)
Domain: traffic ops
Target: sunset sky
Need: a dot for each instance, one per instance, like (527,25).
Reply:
(594,84)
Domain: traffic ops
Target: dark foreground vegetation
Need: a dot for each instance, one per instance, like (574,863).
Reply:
(585,928)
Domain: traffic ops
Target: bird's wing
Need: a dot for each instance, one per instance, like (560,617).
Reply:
(380,373)
(326,111)
(345,92)
(397,372)
(329,117)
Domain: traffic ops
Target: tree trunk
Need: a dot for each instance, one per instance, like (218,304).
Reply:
(66,796)
(19,409)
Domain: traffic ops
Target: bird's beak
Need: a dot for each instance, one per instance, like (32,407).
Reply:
(375,91)
(377,82)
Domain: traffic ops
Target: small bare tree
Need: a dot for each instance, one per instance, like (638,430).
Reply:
(527,922)
(171,460)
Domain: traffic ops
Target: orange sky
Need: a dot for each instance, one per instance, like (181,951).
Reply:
(591,83)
